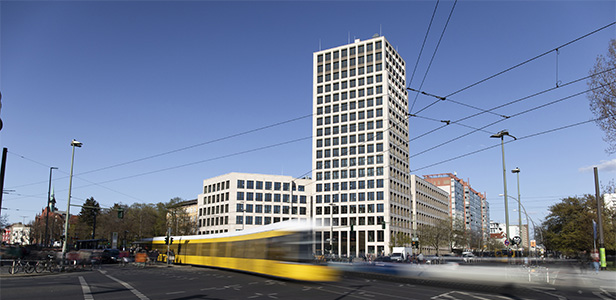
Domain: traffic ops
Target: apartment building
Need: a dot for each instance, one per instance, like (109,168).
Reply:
(466,205)
(360,147)
(237,201)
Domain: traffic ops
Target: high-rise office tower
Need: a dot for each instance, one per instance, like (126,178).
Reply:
(360,154)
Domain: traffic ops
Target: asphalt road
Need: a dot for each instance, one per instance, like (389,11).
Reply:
(184,282)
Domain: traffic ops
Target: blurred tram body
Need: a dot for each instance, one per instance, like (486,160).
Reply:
(282,249)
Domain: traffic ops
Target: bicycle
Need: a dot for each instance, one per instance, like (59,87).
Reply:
(50,265)
(21,266)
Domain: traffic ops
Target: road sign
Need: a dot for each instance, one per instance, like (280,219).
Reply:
(506,242)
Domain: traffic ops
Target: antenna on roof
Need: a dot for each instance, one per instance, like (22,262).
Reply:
(349,38)
(319,44)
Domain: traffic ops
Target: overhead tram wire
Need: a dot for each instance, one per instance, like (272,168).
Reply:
(434,54)
(25,196)
(514,115)
(199,144)
(172,151)
(423,45)
(482,111)
(205,160)
(498,145)
(518,65)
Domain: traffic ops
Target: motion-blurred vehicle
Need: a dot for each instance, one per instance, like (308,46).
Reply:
(281,249)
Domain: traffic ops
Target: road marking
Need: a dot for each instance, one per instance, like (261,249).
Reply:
(87,295)
(178,292)
(127,286)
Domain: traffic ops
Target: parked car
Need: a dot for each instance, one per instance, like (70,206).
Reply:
(110,256)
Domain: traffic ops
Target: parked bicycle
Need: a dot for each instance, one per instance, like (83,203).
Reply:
(20,265)
(49,264)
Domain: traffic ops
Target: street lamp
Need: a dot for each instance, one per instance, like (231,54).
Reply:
(502,135)
(517,172)
(74,143)
(48,207)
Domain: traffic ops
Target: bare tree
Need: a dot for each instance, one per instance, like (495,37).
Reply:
(436,236)
(602,97)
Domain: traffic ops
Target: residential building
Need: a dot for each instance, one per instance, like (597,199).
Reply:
(610,201)
(237,201)
(17,234)
(430,204)
(466,205)
(360,154)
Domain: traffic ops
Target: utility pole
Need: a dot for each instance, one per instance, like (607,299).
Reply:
(2,170)
(599,220)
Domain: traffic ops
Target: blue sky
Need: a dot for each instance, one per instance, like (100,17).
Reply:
(150,88)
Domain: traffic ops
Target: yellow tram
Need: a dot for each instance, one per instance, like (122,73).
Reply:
(282,249)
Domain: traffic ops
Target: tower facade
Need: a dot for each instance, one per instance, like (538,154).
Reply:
(360,153)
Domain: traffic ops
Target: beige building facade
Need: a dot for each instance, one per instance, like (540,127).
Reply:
(360,148)
(237,201)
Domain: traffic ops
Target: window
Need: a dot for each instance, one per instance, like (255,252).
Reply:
(240,184)
(240,195)
(250,184)
(259,185)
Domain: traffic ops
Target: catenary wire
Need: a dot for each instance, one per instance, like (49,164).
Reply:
(503,105)
(498,145)
(434,54)
(514,115)
(518,65)
(168,152)
(423,45)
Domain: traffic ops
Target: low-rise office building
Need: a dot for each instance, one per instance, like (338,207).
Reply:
(237,201)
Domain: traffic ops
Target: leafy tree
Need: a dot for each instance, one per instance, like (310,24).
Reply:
(494,244)
(178,219)
(569,229)
(4,221)
(400,239)
(603,95)
(87,218)
(458,236)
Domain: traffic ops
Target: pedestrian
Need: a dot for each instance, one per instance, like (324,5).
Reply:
(420,257)
(595,261)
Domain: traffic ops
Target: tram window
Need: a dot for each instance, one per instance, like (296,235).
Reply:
(221,249)
(206,250)
(237,249)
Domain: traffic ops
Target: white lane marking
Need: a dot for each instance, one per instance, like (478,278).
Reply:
(87,295)
(174,293)
(129,287)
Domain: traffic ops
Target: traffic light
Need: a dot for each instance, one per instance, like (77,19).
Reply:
(352,227)
(383,225)
(120,213)
(167,240)
(170,240)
